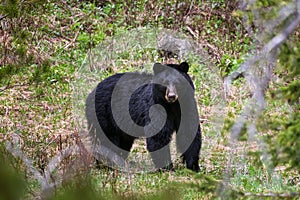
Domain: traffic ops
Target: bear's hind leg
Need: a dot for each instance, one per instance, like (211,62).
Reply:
(126,144)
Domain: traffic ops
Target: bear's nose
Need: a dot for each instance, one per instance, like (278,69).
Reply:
(172,97)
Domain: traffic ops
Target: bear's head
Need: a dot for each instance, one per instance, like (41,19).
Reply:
(169,79)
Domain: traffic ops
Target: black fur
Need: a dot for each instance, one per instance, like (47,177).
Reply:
(140,102)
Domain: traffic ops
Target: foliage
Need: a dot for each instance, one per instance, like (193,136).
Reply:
(12,183)
(285,146)
(290,61)
(44,42)
(228,64)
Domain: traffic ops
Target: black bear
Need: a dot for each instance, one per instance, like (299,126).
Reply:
(129,105)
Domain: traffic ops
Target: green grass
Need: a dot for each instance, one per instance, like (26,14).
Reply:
(37,97)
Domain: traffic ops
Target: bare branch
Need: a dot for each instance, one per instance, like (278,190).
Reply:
(43,178)
(283,14)
(272,45)
(283,35)
(257,70)
(16,151)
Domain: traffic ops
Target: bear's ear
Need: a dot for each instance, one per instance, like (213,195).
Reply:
(157,68)
(184,67)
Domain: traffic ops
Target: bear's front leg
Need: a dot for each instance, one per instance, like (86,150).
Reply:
(191,155)
(159,149)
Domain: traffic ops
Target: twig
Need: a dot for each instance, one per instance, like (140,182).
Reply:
(73,40)
(189,11)
(12,86)
(192,32)
(2,17)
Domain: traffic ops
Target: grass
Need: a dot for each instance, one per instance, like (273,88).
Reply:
(37,98)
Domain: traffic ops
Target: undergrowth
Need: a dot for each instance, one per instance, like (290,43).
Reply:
(43,45)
